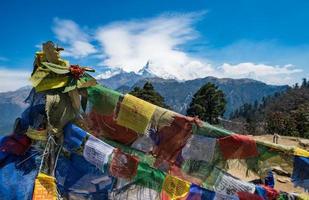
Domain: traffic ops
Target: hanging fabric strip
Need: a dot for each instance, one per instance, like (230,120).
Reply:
(144,143)
(300,176)
(171,139)
(52,82)
(34,134)
(97,152)
(149,177)
(219,196)
(248,196)
(106,126)
(209,130)
(238,147)
(229,185)
(135,113)
(74,136)
(45,188)
(196,192)
(123,165)
(199,148)
(103,100)
(175,188)
(15,144)
(301,152)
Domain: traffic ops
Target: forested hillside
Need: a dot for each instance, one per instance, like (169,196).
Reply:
(285,113)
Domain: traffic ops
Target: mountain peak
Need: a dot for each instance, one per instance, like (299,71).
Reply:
(146,72)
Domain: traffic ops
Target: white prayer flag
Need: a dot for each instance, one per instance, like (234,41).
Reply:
(97,152)
(199,148)
(230,185)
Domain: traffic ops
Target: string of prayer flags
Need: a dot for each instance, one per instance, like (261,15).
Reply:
(135,113)
(175,188)
(97,152)
(238,147)
(199,148)
(45,188)
(123,165)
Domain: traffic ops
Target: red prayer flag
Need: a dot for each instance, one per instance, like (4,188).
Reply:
(123,165)
(271,193)
(103,125)
(238,147)
(15,144)
(172,138)
(248,196)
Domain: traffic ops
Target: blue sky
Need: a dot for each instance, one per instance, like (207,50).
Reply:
(264,40)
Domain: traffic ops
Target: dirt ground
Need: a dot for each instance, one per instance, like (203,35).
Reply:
(240,171)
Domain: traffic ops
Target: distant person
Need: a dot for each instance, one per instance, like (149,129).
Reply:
(276,138)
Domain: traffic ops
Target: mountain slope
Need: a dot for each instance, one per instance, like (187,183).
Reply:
(178,95)
(11,106)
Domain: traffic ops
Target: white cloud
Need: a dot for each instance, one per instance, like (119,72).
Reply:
(76,40)
(267,73)
(13,79)
(128,45)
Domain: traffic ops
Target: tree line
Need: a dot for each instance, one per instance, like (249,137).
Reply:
(285,113)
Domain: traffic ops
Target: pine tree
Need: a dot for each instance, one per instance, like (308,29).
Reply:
(148,93)
(208,103)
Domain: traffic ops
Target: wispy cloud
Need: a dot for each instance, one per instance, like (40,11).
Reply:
(128,45)
(77,41)
(266,73)
(13,79)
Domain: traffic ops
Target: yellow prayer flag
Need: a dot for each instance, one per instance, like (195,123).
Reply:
(52,83)
(37,134)
(301,152)
(175,187)
(303,196)
(44,188)
(38,76)
(135,113)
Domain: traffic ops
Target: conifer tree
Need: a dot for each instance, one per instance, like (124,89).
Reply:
(148,93)
(208,103)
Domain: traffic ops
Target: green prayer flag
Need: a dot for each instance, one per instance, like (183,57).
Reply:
(149,177)
(104,100)
(209,130)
